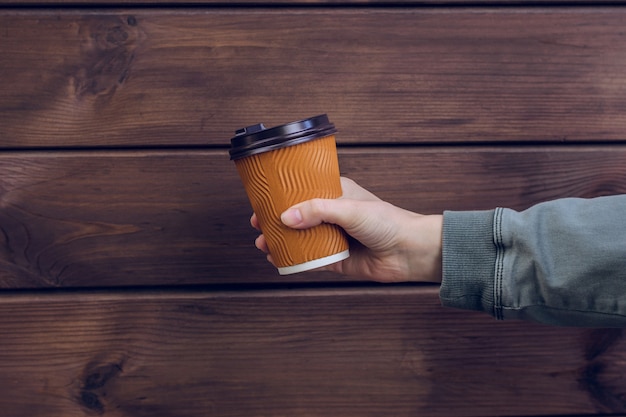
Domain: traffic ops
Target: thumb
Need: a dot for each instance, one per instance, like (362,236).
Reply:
(376,224)
(316,211)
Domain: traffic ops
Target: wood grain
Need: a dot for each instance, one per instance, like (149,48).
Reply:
(178,77)
(129,282)
(181,217)
(363,3)
(351,352)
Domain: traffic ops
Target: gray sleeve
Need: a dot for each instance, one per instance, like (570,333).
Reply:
(561,262)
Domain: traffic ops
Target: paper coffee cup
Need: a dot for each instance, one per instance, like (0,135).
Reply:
(285,165)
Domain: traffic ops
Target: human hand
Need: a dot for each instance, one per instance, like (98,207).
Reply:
(388,244)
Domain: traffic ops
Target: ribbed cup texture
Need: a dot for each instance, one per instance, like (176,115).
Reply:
(276,180)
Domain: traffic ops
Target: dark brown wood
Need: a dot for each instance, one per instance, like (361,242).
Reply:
(181,217)
(403,75)
(351,352)
(252,3)
(114,125)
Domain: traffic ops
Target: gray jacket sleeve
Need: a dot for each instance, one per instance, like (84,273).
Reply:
(561,262)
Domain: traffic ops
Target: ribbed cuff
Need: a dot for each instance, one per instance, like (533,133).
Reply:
(469,256)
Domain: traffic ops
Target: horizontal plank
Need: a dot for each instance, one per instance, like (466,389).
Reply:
(76,219)
(351,352)
(225,3)
(101,77)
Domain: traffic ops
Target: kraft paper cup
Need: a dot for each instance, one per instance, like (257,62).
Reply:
(285,165)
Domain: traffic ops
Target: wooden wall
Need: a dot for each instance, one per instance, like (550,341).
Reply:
(130,285)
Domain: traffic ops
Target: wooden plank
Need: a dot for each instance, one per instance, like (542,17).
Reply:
(181,217)
(365,3)
(102,77)
(351,352)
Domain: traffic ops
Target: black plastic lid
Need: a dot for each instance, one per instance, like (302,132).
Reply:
(257,138)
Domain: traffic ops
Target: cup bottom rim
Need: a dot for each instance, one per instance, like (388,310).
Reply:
(315,263)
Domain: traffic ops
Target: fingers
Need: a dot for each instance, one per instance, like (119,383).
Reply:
(254,221)
(261,244)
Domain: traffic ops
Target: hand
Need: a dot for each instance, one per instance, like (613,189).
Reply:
(389,244)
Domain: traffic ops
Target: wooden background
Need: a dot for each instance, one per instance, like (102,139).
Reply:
(130,282)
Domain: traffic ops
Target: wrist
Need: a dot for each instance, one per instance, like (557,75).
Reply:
(425,250)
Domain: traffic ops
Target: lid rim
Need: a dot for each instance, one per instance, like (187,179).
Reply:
(272,144)
(288,134)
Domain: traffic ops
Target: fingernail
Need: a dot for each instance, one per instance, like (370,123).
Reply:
(291,217)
